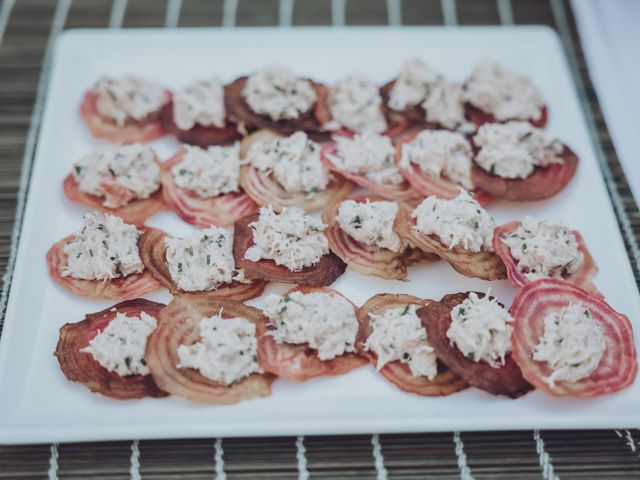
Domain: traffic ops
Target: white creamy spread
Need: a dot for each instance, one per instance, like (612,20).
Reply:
(441,99)
(398,334)
(440,153)
(572,344)
(209,173)
(444,104)
(460,221)
(201,261)
(543,249)
(290,238)
(370,223)
(227,350)
(277,92)
(504,94)
(355,103)
(199,103)
(294,161)
(481,329)
(105,248)
(128,98)
(367,154)
(120,346)
(324,321)
(118,173)
(514,149)
(412,85)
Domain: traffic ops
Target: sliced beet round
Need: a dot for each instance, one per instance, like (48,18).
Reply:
(534,301)
(368,259)
(222,210)
(199,134)
(398,373)
(543,182)
(241,113)
(121,288)
(582,277)
(135,212)
(505,380)
(267,191)
(323,273)
(81,367)
(415,114)
(153,251)
(131,132)
(402,192)
(300,362)
(483,264)
(428,185)
(178,324)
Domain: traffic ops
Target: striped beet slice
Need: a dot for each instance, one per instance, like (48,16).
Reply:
(266,190)
(325,272)
(300,362)
(223,210)
(617,368)
(428,185)
(153,252)
(121,288)
(506,380)
(445,383)
(582,277)
(369,259)
(104,129)
(200,135)
(178,324)
(135,212)
(414,114)
(401,192)
(81,367)
(483,264)
(543,182)
(242,114)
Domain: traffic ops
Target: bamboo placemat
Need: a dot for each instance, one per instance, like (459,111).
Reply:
(27,31)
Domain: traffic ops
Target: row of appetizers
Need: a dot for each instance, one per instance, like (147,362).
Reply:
(207,112)
(110,259)
(220,184)
(556,337)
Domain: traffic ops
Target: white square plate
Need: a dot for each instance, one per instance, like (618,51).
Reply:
(37,404)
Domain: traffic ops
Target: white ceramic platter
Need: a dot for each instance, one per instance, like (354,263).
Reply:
(37,404)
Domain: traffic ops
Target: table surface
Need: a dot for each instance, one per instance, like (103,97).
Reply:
(27,31)
(610,40)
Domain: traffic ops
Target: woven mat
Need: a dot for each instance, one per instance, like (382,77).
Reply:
(27,28)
